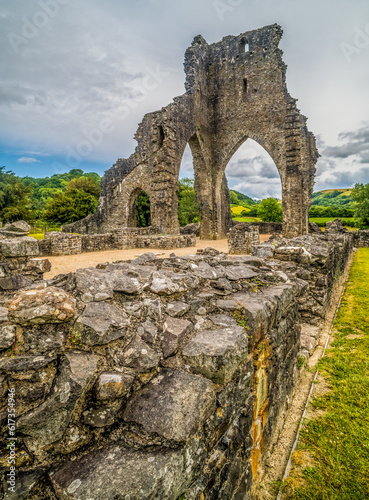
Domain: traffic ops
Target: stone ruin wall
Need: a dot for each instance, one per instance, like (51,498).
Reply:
(158,378)
(56,243)
(232,94)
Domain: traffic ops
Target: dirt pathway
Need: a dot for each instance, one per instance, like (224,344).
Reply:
(70,263)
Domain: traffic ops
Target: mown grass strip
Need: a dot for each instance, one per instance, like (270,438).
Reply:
(332,458)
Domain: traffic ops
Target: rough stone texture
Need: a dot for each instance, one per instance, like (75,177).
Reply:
(68,244)
(112,385)
(19,247)
(64,244)
(47,423)
(171,374)
(100,323)
(18,267)
(335,226)
(19,227)
(129,473)
(361,239)
(232,94)
(174,330)
(7,336)
(173,405)
(4,311)
(241,238)
(139,356)
(216,354)
(193,228)
(50,305)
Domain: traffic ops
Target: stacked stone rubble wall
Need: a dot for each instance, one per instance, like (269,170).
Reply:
(126,238)
(160,378)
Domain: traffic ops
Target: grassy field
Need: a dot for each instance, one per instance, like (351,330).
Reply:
(317,220)
(38,236)
(239,209)
(246,219)
(332,459)
(326,219)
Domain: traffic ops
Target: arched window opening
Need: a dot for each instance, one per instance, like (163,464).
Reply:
(245,84)
(254,184)
(161,136)
(188,209)
(244,46)
(142,209)
(139,209)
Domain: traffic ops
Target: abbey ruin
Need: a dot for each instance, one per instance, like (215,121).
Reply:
(235,90)
(171,378)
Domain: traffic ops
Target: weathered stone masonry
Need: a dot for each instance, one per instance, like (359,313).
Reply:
(231,95)
(122,239)
(158,378)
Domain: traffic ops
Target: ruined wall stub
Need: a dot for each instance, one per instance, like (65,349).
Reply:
(235,90)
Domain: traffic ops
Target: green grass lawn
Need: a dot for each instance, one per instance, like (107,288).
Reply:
(332,459)
(317,220)
(326,219)
(38,236)
(247,219)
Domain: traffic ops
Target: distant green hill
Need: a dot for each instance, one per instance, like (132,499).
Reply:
(243,198)
(333,198)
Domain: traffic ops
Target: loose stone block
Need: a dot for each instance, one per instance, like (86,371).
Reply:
(174,330)
(4,313)
(163,285)
(172,405)
(101,322)
(112,385)
(135,474)
(7,336)
(24,246)
(48,422)
(139,355)
(216,354)
(48,305)
(176,309)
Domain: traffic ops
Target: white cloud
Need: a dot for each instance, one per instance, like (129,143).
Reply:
(76,72)
(27,159)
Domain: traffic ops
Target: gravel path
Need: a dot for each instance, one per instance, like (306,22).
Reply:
(70,263)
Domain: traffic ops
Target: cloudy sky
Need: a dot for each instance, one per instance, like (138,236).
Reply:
(77,76)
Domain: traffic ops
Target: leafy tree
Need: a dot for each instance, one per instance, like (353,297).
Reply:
(253,211)
(15,198)
(269,210)
(47,188)
(243,198)
(143,210)
(234,198)
(85,184)
(79,199)
(360,194)
(188,209)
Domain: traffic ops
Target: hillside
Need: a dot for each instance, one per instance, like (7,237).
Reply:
(333,197)
(243,197)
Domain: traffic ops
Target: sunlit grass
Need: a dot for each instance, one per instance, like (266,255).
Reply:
(38,236)
(247,219)
(336,443)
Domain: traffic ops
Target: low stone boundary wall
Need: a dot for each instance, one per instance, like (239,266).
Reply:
(241,238)
(166,242)
(20,264)
(361,238)
(122,239)
(171,376)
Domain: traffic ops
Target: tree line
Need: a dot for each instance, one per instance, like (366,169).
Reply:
(53,201)
(68,197)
